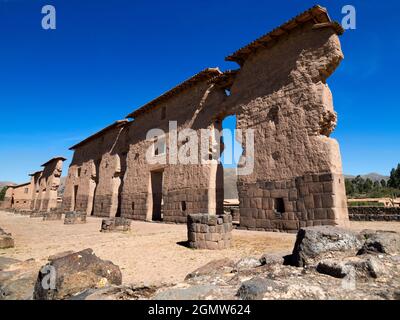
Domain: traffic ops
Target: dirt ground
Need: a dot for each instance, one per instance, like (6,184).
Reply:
(150,253)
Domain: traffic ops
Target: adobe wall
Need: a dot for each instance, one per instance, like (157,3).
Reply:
(281,93)
(197,187)
(96,173)
(111,172)
(48,183)
(82,174)
(35,185)
(7,203)
(22,197)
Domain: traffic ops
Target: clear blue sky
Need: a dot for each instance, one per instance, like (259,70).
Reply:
(107,58)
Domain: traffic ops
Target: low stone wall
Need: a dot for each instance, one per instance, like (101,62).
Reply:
(52,216)
(37,214)
(115,225)
(75,217)
(374,214)
(209,232)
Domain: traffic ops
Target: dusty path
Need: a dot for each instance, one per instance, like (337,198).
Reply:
(149,253)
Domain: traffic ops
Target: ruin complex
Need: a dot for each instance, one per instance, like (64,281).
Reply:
(279,92)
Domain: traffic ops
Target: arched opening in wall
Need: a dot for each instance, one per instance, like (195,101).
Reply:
(123,162)
(12,202)
(75,201)
(231,151)
(157,194)
(96,183)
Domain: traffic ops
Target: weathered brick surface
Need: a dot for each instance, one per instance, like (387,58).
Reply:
(209,231)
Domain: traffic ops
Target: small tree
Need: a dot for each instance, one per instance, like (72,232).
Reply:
(394,180)
(383,183)
(3,193)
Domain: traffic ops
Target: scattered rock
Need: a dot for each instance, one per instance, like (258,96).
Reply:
(196,292)
(366,266)
(387,242)
(314,243)
(334,268)
(269,259)
(17,280)
(60,255)
(73,274)
(117,293)
(6,262)
(212,269)
(6,240)
(255,288)
(248,263)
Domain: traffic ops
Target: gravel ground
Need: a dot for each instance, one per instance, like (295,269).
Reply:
(150,253)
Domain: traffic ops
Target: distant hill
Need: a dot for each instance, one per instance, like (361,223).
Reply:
(230,188)
(373,176)
(61,188)
(6,183)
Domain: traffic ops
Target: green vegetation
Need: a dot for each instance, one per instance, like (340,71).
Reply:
(365,204)
(3,193)
(366,188)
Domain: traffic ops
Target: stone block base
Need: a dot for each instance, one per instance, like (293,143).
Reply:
(75,218)
(52,216)
(37,214)
(209,231)
(115,225)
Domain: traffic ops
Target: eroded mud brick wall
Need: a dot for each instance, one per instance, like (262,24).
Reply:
(35,185)
(7,203)
(281,93)
(111,173)
(49,183)
(96,173)
(19,196)
(186,188)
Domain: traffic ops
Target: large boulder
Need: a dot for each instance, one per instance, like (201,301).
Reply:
(17,279)
(214,268)
(66,276)
(361,267)
(316,243)
(387,242)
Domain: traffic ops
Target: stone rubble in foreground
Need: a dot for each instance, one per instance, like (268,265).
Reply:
(327,263)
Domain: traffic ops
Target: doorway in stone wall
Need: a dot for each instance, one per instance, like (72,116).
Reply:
(231,151)
(75,203)
(156,189)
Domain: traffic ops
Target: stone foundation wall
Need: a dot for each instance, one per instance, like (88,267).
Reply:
(52,216)
(374,214)
(209,232)
(179,204)
(116,225)
(134,206)
(290,204)
(75,218)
